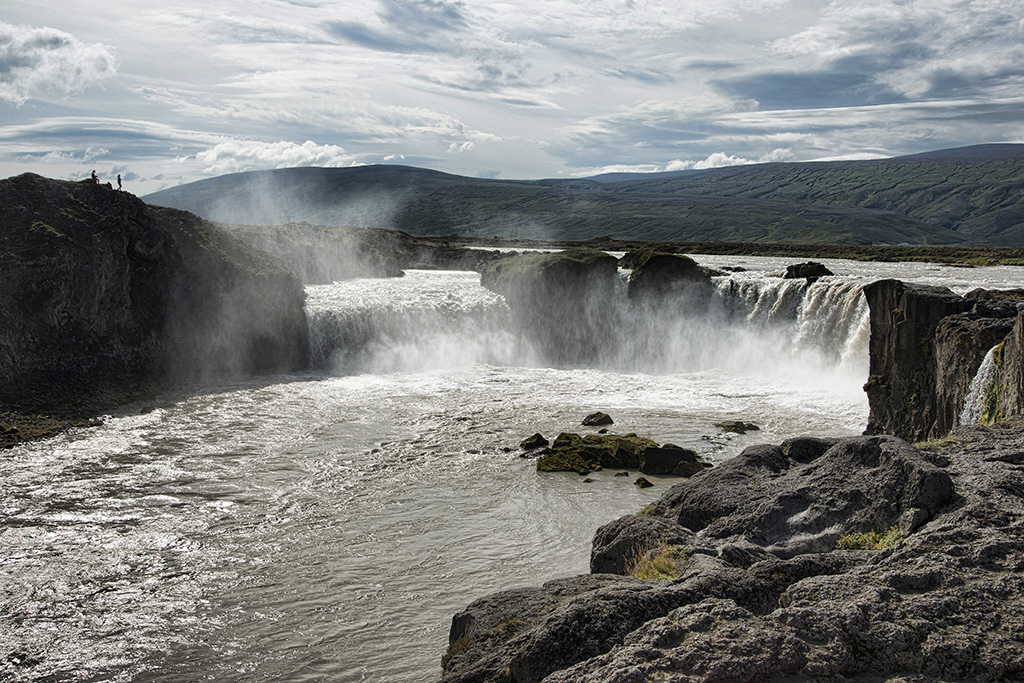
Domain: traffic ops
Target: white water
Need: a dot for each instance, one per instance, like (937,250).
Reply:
(981,384)
(326,526)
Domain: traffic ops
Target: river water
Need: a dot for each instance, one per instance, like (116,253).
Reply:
(326,526)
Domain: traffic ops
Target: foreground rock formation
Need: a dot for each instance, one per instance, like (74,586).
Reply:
(760,592)
(926,346)
(100,287)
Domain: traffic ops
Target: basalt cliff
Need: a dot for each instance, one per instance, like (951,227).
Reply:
(100,288)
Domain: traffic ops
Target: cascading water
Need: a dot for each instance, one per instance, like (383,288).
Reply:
(752,324)
(974,404)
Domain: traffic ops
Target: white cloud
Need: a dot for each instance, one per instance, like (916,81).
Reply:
(248,155)
(34,61)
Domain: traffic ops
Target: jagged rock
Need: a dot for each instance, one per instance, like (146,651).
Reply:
(532,442)
(560,299)
(97,284)
(643,483)
(811,271)
(926,345)
(1010,399)
(597,419)
(945,603)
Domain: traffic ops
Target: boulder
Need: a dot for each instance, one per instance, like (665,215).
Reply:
(533,442)
(681,462)
(737,426)
(811,271)
(597,419)
(584,454)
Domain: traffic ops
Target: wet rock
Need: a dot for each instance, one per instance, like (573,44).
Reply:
(559,299)
(643,483)
(99,285)
(737,426)
(597,419)
(658,275)
(681,462)
(811,271)
(532,442)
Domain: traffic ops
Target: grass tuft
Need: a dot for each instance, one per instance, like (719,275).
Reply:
(870,540)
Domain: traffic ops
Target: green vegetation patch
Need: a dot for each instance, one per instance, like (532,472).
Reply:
(661,562)
(870,540)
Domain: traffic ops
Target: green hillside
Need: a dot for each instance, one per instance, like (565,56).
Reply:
(965,196)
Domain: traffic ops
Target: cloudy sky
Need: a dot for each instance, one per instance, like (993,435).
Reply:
(170,92)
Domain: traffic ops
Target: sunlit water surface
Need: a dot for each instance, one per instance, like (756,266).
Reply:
(326,526)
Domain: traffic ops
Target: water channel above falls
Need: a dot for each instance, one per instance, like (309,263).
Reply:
(326,526)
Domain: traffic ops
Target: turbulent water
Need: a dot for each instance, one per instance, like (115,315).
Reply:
(326,526)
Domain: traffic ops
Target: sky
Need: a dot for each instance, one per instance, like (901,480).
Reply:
(166,93)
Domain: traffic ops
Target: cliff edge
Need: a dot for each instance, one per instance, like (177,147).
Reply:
(101,290)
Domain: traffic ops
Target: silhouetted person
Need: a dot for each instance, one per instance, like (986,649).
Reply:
(95,179)
(119,181)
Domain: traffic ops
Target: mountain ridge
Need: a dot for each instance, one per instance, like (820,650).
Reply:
(963,196)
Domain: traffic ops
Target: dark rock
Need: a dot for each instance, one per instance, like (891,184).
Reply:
(560,300)
(535,441)
(573,453)
(1010,400)
(622,474)
(926,345)
(811,271)
(643,483)
(806,448)
(97,284)
(616,542)
(657,275)
(737,426)
(597,419)
(681,462)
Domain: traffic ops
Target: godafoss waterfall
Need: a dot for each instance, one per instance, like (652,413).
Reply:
(325,525)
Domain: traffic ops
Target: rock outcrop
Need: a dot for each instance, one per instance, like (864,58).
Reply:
(926,346)
(656,275)
(561,300)
(98,284)
(761,593)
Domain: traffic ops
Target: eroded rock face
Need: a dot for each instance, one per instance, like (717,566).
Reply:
(95,281)
(762,596)
(926,346)
(658,275)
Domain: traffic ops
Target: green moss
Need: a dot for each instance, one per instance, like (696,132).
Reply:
(870,540)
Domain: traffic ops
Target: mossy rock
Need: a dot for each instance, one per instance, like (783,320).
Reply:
(567,460)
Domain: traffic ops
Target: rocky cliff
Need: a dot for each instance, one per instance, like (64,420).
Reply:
(926,346)
(98,284)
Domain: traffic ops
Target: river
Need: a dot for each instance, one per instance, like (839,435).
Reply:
(326,526)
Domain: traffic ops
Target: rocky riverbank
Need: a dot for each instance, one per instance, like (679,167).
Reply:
(863,558)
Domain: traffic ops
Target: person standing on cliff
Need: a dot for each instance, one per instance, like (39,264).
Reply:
(118,181)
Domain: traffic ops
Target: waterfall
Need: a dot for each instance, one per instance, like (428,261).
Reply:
(751,324)
(981,385)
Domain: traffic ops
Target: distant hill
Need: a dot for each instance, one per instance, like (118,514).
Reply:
(970,195)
